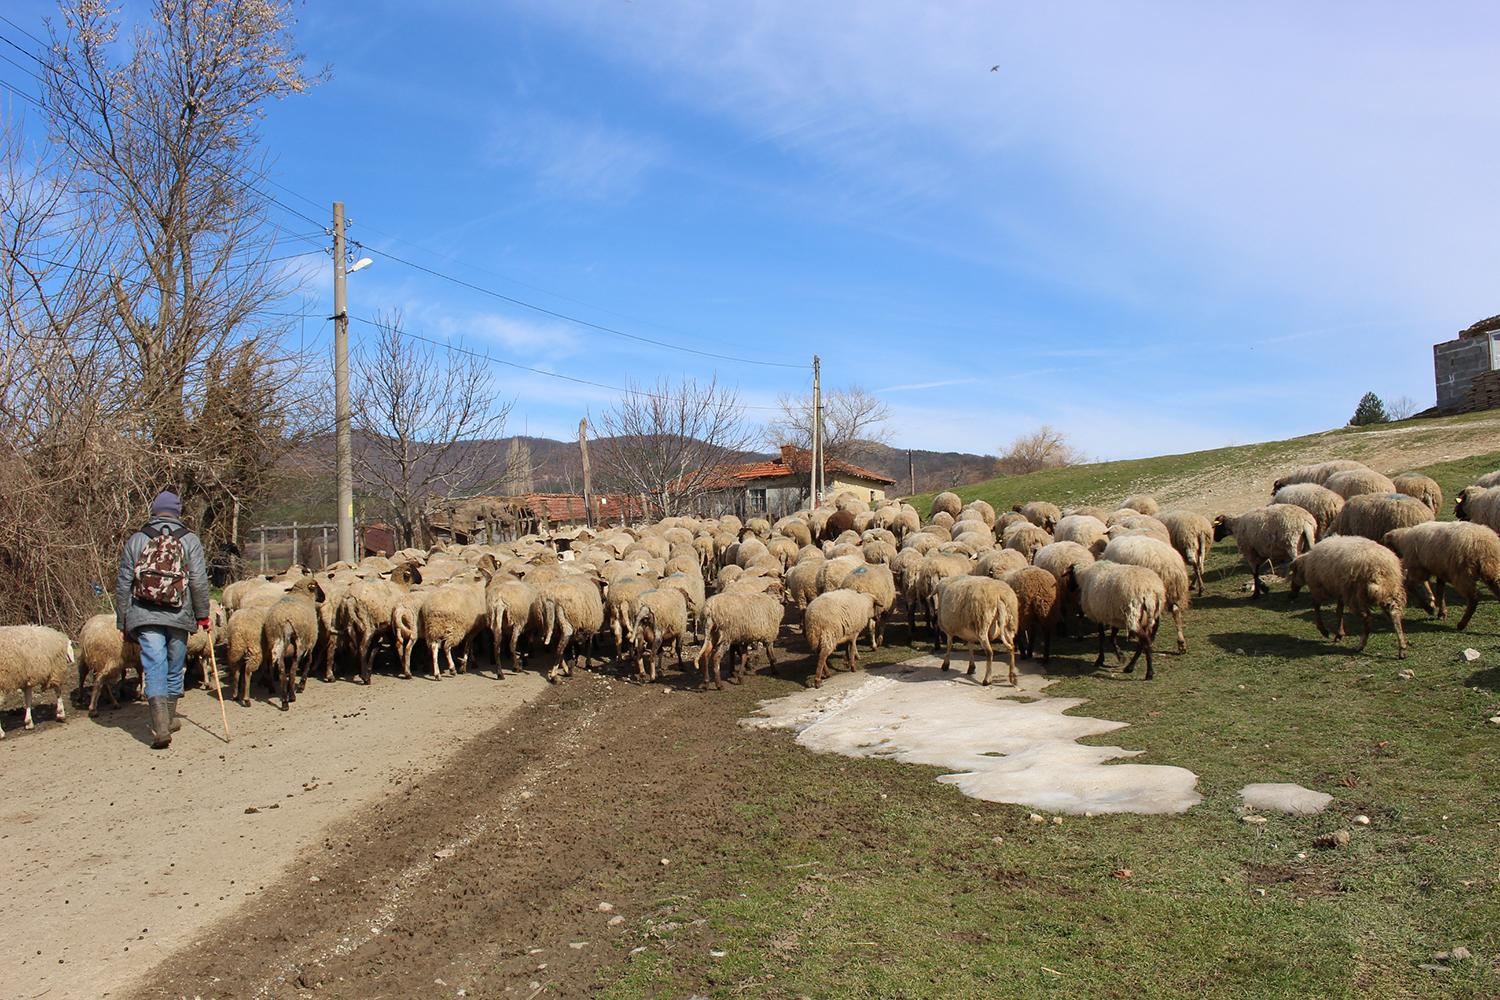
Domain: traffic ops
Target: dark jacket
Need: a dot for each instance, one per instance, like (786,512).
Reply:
(130,615)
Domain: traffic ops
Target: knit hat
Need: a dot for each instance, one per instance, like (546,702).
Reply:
(167,502)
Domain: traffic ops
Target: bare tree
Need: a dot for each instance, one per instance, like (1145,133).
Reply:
(1401,407)
(854,419)
(670,443)
(1044,448)
(424,418)
(162,146)
(133,272)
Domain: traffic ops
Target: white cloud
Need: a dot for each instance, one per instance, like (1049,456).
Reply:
(574,157)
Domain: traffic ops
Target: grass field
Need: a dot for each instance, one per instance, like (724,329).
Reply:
(1109,482)
(860,878)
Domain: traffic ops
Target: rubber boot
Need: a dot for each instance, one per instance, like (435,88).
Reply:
(161,722)
(176,723)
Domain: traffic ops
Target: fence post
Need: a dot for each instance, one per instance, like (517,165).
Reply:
(294,546)
(262,551)
(325,547)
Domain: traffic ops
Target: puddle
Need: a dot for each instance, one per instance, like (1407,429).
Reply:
(996,747)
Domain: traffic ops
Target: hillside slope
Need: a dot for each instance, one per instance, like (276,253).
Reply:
(1234,478)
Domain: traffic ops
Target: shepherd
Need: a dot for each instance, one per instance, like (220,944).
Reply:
(161,596)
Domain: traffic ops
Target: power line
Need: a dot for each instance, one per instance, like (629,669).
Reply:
(574,319)
(408,334)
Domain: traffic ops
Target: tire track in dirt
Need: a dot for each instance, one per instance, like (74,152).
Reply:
(459,879)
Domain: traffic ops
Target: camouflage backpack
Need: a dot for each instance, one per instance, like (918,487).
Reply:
(161,568)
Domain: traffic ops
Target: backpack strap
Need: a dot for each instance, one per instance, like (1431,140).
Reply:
(149,531)
(181,532)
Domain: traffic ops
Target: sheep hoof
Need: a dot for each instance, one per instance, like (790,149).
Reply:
(985,682)
(94,713)
(1130,669)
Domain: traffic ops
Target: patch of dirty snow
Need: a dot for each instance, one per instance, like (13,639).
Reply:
(1294,800)
(997,748)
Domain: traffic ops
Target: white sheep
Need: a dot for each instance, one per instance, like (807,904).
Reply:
(1167,563)
(1274,534)
(107,655)
(660,619)
(1461,554)
(738,619)
(1121,598)
(1319,501)
(1358,482)
(1192,536)
(836,619)
(1371,515)
(978,609)
(1357,572)
(35,658)
(1317,473)
(1479,504)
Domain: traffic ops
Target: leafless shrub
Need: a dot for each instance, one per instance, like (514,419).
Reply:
(1044,448)
(854,419)
(669,443)
(424,416)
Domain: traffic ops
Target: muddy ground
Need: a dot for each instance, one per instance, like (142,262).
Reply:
(537,855)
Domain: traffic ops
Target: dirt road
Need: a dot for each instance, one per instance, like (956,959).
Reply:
(488,875)
(117,856)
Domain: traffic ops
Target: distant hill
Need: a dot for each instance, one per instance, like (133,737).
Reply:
(305,493)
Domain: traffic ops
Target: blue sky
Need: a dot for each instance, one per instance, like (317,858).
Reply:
(1158,226)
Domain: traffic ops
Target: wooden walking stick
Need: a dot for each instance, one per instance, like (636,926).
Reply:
(213,668)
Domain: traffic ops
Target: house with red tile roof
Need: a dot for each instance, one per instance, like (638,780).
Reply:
(779,486)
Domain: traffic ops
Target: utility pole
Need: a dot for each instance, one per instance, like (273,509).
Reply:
(588,478)
(342,409)
(911,471)
(816,460)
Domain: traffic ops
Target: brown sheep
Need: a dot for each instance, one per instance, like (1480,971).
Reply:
(1039,608)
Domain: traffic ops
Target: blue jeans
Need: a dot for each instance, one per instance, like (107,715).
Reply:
(163,659)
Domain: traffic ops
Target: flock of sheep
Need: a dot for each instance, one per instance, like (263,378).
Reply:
(1006,581)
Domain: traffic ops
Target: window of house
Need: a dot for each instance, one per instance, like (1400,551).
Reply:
(758,500)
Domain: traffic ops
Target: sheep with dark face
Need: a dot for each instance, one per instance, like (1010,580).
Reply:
(1275,534)
(1317,473)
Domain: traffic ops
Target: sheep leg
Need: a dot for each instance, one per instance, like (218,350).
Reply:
(852,654)
(1198,575)
(1442,600)
(973,657)
(1401,631)
(26,700)
(718,662)
(1318,620)
(1365,624)
(771,659)
(1011,648)
(679,652)
(1473,602)
(1114,638)
(433,649)
(515,643)
(1099,661)
(823,652)
(1256,587)
(1339,613)
(989,659)
(62,713)
(1177,616)
(406,648)
(366,656)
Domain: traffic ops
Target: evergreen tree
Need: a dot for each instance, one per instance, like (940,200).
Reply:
(1369,411)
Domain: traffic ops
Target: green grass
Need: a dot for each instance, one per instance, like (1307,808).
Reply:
(863,878)
(1107,483)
